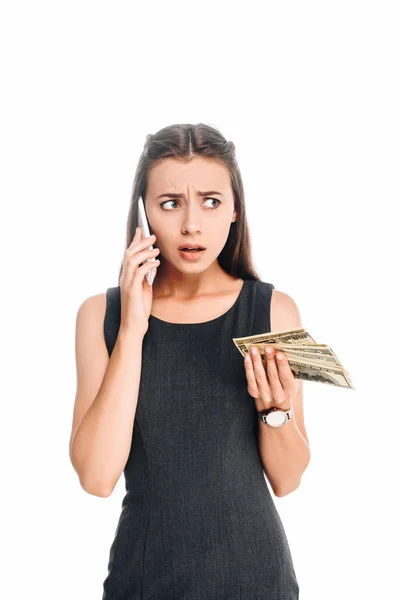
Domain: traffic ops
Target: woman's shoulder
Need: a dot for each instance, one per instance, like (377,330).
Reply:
(93,305)
(285,313)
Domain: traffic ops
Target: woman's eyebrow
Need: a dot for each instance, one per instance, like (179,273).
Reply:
(175,195)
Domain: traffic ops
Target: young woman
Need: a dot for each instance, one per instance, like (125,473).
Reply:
(165,397)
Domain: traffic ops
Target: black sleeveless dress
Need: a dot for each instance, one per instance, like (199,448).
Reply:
(198,521)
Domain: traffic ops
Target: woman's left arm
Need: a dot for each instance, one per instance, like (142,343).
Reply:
(284,451)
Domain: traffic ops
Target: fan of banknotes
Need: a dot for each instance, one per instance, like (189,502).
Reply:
(307,359)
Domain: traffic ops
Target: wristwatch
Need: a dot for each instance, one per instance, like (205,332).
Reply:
(276,417)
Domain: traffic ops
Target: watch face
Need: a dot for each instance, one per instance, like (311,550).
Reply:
(276,418)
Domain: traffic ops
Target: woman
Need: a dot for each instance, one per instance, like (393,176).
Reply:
(165,397)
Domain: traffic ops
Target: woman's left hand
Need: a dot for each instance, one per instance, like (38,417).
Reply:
(275,387)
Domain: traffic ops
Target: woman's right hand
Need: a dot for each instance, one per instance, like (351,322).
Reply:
(136,293)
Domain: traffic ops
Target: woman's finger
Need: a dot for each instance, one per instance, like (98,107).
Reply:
(273,374)
(265,391)
(287,379)
(251,380)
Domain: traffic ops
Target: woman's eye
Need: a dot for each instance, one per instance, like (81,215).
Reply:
(214,199)
(166,202)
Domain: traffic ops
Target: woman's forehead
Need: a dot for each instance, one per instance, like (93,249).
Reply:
(201,173)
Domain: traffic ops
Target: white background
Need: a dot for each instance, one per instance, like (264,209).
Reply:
(309,93)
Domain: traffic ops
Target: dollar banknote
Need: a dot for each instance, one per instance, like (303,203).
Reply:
(307,359)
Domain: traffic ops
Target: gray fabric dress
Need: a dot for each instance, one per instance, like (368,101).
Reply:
(198,521)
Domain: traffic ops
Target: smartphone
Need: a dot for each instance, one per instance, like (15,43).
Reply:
(144,225)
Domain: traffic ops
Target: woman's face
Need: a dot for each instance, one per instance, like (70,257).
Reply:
(202,214)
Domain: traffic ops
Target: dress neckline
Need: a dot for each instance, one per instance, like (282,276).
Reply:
(225,314)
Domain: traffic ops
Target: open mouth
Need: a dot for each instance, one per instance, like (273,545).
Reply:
(191,253)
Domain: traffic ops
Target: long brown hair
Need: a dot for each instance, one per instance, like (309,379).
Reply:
(184,141)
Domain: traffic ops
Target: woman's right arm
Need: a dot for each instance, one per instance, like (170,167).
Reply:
(108,387)
(102,427)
